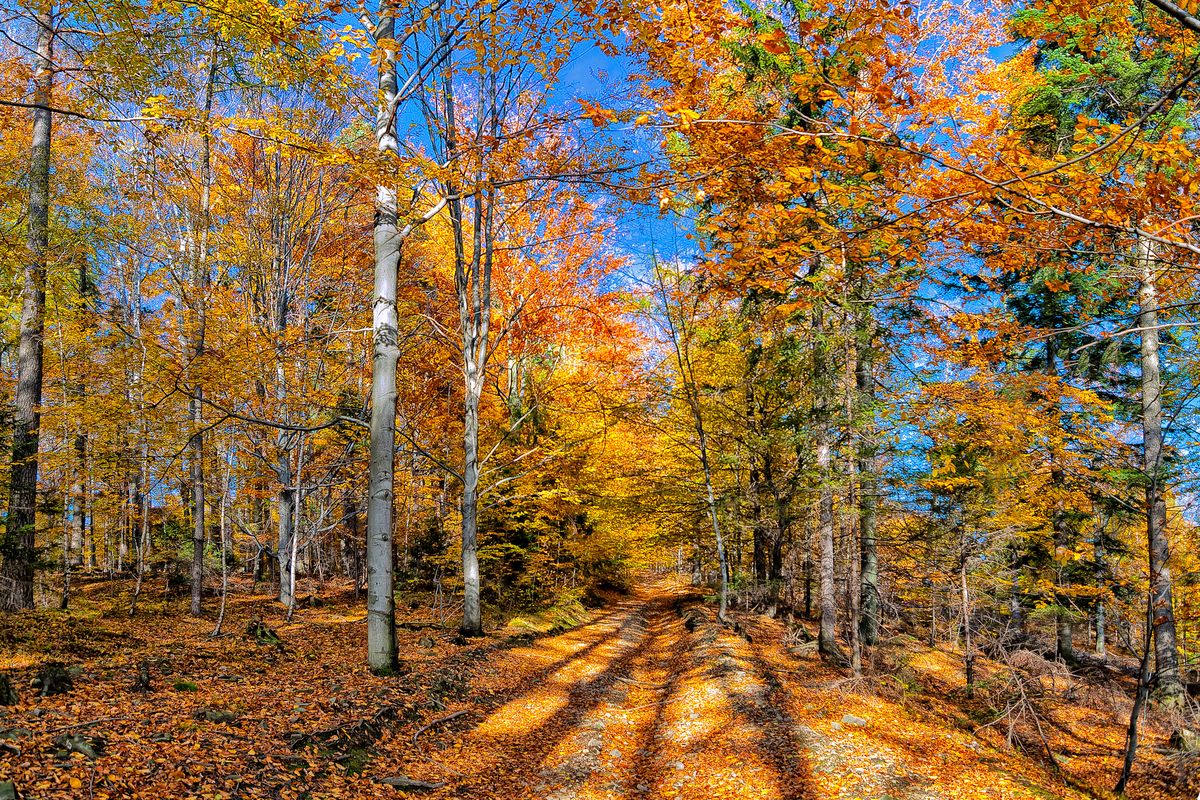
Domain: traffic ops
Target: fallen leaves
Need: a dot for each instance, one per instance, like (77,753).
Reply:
(642,700)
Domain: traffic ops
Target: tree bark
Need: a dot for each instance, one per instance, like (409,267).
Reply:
(968,642)
(761,544)
(808,567)
(1100,610)
(472,624)
(351,541)
(827,634)
(197,503)
(868,481)
(854,585)
(381,604)
(79,500)
(722,558)
(678,333)
(285,444)
(1170,685)
(19,545)
(780,525)
(1139,700)
(287,503)
(199,309)
(822,377)
(473,287)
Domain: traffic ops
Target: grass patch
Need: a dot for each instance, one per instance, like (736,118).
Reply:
(556,619)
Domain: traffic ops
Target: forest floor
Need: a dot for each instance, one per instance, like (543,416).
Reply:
(648,698)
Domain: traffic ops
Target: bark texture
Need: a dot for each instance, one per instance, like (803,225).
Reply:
(19,546)
(381,604)
(822,379)
(868,482)
(1166,656)
(200,281)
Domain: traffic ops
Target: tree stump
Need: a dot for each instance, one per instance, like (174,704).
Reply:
(8,691)
(52,678)
(261,634)
(142,683)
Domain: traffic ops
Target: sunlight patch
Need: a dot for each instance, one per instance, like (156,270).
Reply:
(524,714)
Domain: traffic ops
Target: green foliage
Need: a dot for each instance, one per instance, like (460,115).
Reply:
(1086,71)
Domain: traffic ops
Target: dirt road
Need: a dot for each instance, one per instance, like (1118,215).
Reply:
(640,703)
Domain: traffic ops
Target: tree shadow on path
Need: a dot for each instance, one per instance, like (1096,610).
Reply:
(517,750)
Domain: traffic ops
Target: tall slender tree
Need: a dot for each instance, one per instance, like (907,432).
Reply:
(1162,612)
(20,526)
(381,604)
(201,270)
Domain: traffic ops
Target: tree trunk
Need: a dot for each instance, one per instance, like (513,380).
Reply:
(473,288)
(678,333)
(351,541)
(780,524)
(381,604)
(1064,635)
(722,558)
(968,642)
(868,482)
(223,504)
(472,624)
(79,497)
(65,599)
(285,443)
(761,543)
(197,503)
(854,586)
(808,568)
(1170,686)
(827,636)
(89,529)
(19,545)
(199,301)
(1064,623)
(1100,610)
(822,375)
(1064,537)
(283,550)
(1139,700)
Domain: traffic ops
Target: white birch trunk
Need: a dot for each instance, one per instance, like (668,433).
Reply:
(381,608)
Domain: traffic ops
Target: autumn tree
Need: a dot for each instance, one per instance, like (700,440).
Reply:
(1070,115)
(495,139)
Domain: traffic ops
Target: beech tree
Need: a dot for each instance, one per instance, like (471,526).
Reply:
(19,545)
(495,140)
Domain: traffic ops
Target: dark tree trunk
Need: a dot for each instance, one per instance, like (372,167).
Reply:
(19,545)
(199,299)
(868,481)
(1166,656)
(823,424)
(808,572)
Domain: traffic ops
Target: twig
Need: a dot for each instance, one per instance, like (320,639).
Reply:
(419,626)
(642,684)
(86,724)
(437,721)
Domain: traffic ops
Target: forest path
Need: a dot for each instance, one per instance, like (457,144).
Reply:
(639,704)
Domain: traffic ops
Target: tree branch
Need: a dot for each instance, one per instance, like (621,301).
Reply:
(1170,9)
